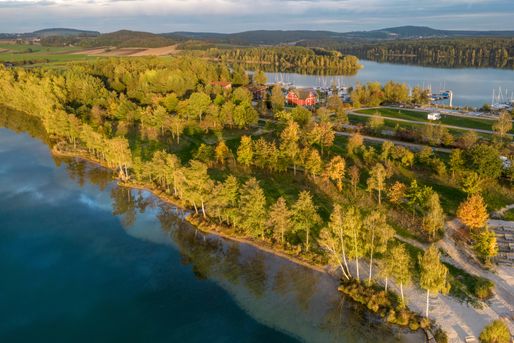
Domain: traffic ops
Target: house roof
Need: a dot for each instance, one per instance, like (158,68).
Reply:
(304,93)
(221,83)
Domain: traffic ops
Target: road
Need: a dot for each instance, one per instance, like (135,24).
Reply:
(406,144)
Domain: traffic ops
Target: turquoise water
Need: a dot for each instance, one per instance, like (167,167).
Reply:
(83,260)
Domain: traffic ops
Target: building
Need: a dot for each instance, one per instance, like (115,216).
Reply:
(222,84)
(302,97)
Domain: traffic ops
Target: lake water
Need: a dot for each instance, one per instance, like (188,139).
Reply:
(470,86)
(83,260)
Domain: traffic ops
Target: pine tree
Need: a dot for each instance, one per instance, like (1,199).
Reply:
(434,274)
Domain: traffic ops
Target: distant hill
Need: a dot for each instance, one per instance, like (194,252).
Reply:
(128,39)
(272,37)
(64,32)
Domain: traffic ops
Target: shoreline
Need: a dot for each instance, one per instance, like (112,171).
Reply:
(213,229)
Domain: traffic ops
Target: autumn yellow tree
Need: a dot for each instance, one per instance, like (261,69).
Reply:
(397,192)
(335,171)
(473,212)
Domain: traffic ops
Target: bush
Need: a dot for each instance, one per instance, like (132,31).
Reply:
(496,332)
(440,336)
(483,289)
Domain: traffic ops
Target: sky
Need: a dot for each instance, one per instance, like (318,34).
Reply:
(242,15)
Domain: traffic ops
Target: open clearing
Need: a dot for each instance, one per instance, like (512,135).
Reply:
(164,51)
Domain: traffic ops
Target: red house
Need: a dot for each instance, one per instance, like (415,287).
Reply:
(302,97)
(222,84)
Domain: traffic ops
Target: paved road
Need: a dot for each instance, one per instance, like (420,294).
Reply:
(424,123)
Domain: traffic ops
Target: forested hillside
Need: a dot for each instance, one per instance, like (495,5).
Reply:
(446,52)
(287,58)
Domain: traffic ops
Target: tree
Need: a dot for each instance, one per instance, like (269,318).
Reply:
(473,213)
(221,152)
(277,98)
(252,208)
(332,239)
(433,274)
(289,138)
(472,183)
(397,193)
(334,171)
(503,125)
(353,230)
(354,178)
(377,234)
(433,220)
(485,245)
(468,139)
(259,78)
(198,185)
(398,264)
(376,121)
(314,164)
(305,216)
(485,160)
(280,220)
(376,180)
(356,141)
(456,162)
(245,151)
(496,332)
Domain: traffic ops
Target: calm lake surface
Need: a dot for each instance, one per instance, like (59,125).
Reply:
(470,86)
(83,260)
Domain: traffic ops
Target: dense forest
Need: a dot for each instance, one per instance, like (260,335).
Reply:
(287,58)
(444,52)
(287,181)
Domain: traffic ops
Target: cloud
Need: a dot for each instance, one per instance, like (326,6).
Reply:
(237,15)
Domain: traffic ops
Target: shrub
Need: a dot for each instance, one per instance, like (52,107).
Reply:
(483,289)
(496,332)
(440,336)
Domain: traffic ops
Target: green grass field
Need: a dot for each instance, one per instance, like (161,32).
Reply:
(473,123)
(24,54)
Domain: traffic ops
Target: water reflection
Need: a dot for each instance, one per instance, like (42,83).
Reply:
(290,298)
(287,297)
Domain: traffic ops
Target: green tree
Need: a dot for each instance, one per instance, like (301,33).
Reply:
(485,245)
(485,160)
(289,138)
(433,274)
(198,185)
(377,233)
(398,264)
(353,230)
(280,220)
(332,239)
(253,208)
(305,216)
(277,98)
(496,332)
(245,151)
(377,180)
(259,78)
(433,220)
(503,124)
